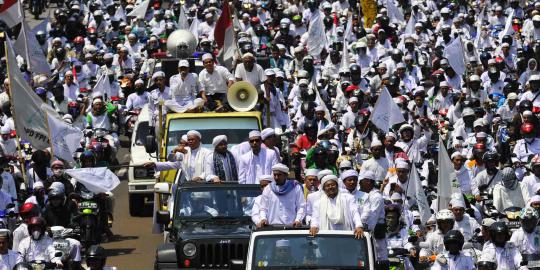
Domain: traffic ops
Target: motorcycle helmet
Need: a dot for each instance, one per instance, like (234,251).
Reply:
(307,108)
(527,129)
(95,257)
(310,125)
(486,265)
(394,81)
(36,223)
(454,236)
(88,156)
(41,36)
(499,233)
(529,219)
(490,156)
(23,266)
(60,53)
(525,105)
(28,209)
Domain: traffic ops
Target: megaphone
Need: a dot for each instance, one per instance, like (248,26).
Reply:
(242,96)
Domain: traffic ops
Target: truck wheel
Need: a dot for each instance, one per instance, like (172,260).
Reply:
(136,204)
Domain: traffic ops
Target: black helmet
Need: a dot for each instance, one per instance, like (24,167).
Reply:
(525,105)
(359,120)
(486,265)
(56,193)
(310,124)
(23,266)
(307,106)
(355,69)
(60,52)
(490,156)
(95,251)
(393,81)
(499,228)
(507,39)
(454,236)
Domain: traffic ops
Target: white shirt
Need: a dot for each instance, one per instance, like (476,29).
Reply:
(524,149)
(215,82)
(504,197)
(372,210)
(7,261)
(312,200)
(350,211)
(252,166)
(527,243)
(283,209)
(19,234)
(183,90)
(135,100)
(454,262)
(255,76)
(38,250)
(508,257)
(466,226)
(378,166)
(71,92)
(530,181)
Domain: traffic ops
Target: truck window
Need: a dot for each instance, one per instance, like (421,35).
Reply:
(235,128)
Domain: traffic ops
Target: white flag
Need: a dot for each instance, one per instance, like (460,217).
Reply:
(317,37)
(120,14)
(479,27)
(194,28)
(416,191)
(102,87)
(446,176)
(139,11)
(65,139)
(182,19)
(454,53)
(410,29)
(10,12)
(28,46)
(386,112)
(97,180)
(345,60)
(508,29)
(396,16)
(27,107)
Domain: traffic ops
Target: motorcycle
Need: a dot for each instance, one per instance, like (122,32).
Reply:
(97,136)
(397,258)
(61,245)
(510,216)
(89,219)
(486,206)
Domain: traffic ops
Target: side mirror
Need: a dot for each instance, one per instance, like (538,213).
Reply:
(150,145)
(236,265)
(162,188)
(163,218)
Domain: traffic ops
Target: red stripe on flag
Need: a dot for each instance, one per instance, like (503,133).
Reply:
(222,24)
(7,4)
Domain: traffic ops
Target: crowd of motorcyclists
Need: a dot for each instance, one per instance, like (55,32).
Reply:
(319,68)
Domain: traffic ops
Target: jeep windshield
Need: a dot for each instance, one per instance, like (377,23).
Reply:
(215,203)
(235,128)
(306,252)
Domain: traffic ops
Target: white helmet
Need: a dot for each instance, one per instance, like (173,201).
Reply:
(445,214)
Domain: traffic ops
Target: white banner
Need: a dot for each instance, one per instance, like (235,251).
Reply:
(97,180)
(28,47)
(386,112)
(27,107)
(102,87)
(454,53)
(396,16)
(416,191)
(508,29)
(120,14)
(65,139)
(10,12)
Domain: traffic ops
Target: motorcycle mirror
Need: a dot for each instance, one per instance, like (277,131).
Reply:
(150,146)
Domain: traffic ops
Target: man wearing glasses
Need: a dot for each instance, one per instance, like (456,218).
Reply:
(257,162)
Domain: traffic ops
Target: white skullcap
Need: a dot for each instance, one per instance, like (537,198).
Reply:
(457,203)
(478,123)
(254,134)
(280,167)
(324,173)
(349,173)
(527,113)
(269,72)
(97,100)
(311,172)
(396,196)
(443,84)
(38,184)
(139,81)
(218,139)
(424,252)
(266,177)
(376,142)
(158,74)
(401,164)
(69,72)
(456,154)
(345,164)
(283,243)
(303,81)
(207,56)
(391,134)
(280,74)
(535,198)
(208,15)
(183,63)
(365,174)
(194,133)
(328,178)
(184,137)
(267,132)
(320,108)
(353,99)
(247,55)
(481,135)
(512,96)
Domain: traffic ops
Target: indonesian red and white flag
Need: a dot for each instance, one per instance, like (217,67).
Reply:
(224,36)
(10,12)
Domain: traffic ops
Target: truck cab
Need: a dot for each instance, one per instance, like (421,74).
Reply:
(208,225)
(297,249)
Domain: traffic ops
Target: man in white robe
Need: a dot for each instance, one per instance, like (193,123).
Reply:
(336,210)
(264,180)
(257,162)
(221,164)
(282,201)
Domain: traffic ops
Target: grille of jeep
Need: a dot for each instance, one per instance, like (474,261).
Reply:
(218,255)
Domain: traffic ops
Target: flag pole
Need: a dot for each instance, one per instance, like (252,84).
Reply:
(19,150)
(23,29)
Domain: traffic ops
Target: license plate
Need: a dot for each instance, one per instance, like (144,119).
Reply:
(514,224)
(89,205)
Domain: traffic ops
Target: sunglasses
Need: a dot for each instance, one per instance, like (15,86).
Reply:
(255,141)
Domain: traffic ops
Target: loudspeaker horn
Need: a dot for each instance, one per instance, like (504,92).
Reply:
(242,96)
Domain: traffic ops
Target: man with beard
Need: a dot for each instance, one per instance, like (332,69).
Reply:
(527,238)
(221,164)
(378,164)
(488,177)
(138,99)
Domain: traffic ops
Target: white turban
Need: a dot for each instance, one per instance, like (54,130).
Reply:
(158,74)
(280,168)
(401,164)
(348,173)
(311,172)
(266,177)
(457,203)
(254,133)
(267,132)
(328,178)
(139,81)
(218,139)
(324,173)
(367,175)
(194,133)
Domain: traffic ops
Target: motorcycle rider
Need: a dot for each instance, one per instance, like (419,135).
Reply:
(59,175)
(59,210)
(527,238)
(96,259)
(532,179)
(435,239)
(38,246)
(397,235)
(27,212)
(488,177)
(8,257)
(452,258)
(463,222)
(506,253)
(100,117)
(509,192)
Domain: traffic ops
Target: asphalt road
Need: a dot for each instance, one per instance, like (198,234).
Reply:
(134,244)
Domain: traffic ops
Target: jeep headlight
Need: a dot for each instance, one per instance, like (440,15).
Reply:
(140,173)
(190,249)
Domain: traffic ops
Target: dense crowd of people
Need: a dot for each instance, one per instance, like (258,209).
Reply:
(462,75)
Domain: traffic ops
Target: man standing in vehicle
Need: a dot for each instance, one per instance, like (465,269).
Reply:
(282,201)
(221,164)
(256,162)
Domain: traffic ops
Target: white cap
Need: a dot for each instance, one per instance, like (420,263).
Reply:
(456,154)
(303,81)
(478,123)
(349,173)
(183,63)
(158,74)
(254,134)
(311,172)
(269,72)
(402,164)
(324,173)
(353,99)
(207,56)
(194,133)
(218,139)
(281,168)
(457,203)
(365,174)
(512,96)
